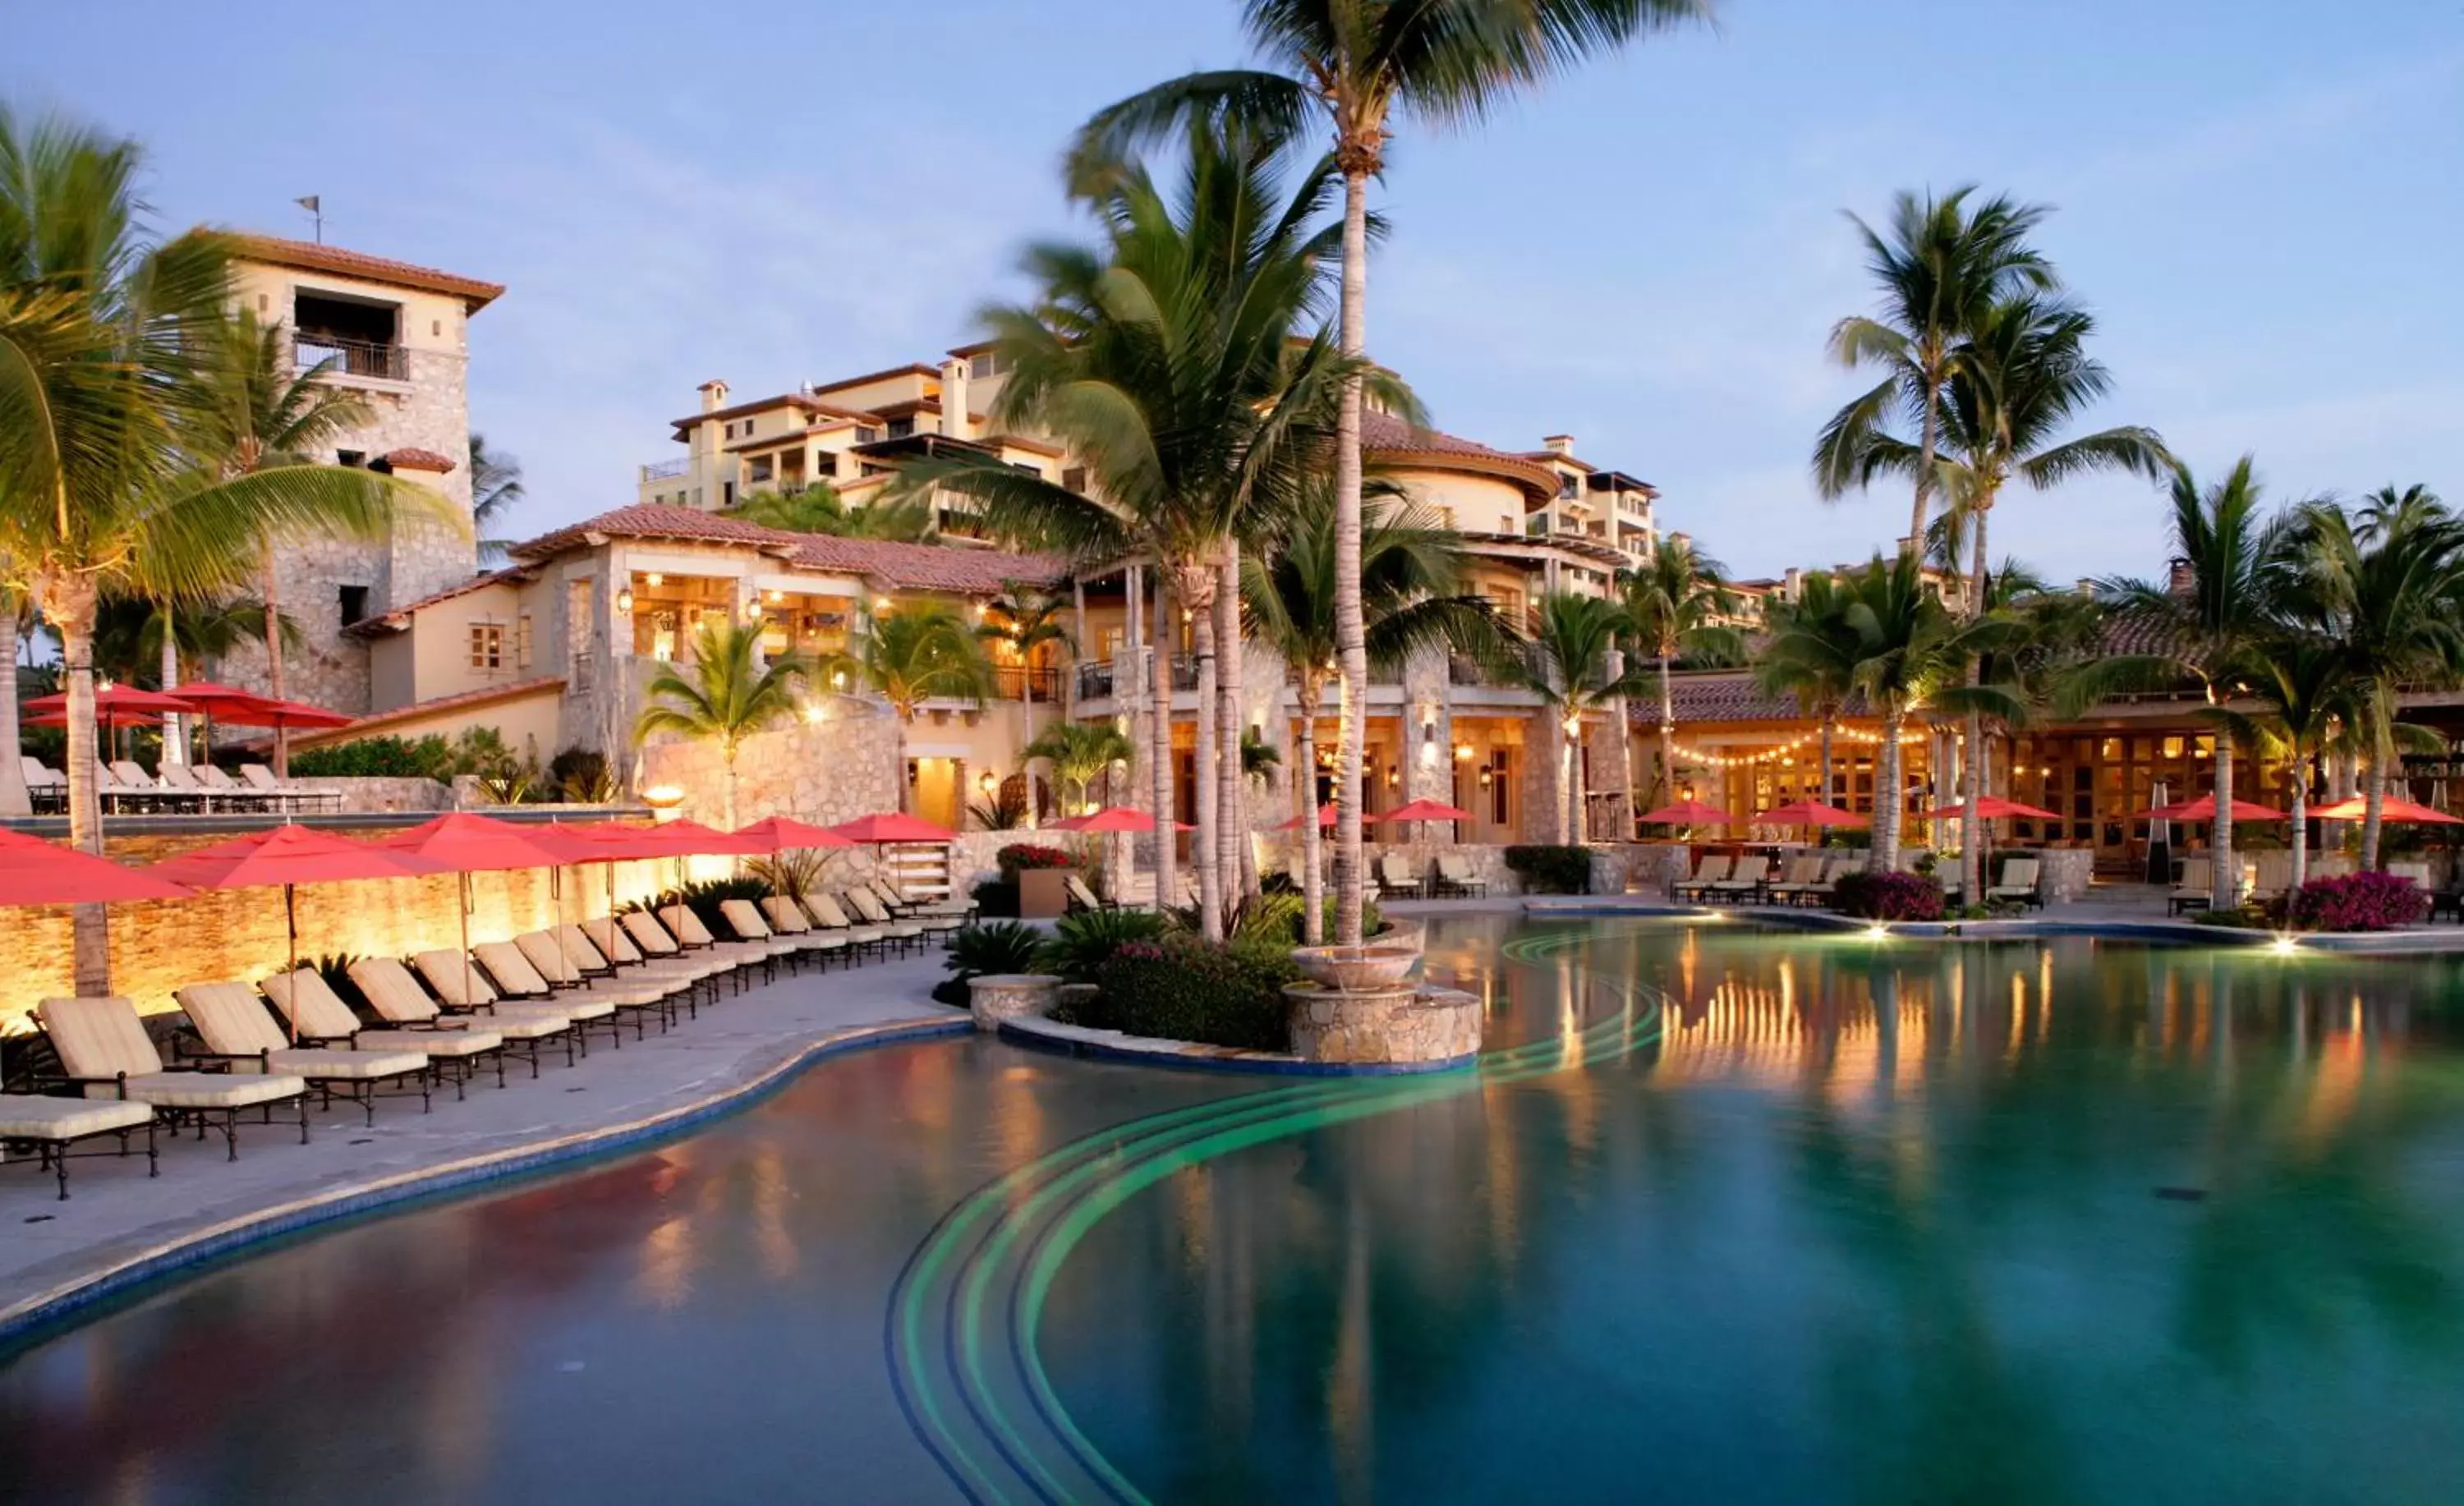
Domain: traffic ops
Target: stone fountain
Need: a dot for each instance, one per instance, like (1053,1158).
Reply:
(1361,1009)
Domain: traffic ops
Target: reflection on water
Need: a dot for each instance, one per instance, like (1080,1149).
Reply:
(2020,1222)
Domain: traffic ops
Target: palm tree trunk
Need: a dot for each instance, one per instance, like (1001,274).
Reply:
(14,798)
(1667,733)
(1159,729)
(1351,630)
(1830,722)
(1885,853)
(1928,441)
(274,658)
(2225,881)
(1312,844)
(2300,832)
(1208,782)
(727,789)
(70,605)
(1627,831)
(1578,806)
(1232,842)
(175,741)
(1971,761)
(2374,812)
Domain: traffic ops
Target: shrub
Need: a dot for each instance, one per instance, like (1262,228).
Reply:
(1551,870)
(431,758)
(1001,947)
(1017,859)
(2359,902)
(794,873)
(705,898)
(1181,988)
(1082,942)
(1275,917)
(997,897)
(582,776)
(1888,897)
(335,967)
(2245,918)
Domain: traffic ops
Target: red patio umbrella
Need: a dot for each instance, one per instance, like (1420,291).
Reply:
(115,707)
(35,872)
(1324,817)
(893,827)
(1992,808)
(1810,812)
(2391,809)
(1687,813)
(463,844)
(778,833)
(1112,818)
(288,854)
(1421,813)
(2204,809)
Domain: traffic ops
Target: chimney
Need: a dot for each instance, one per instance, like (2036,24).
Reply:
(713,395)
(2178,577)
(1559,443)
(953,397)
(1792,583)
(2085,587)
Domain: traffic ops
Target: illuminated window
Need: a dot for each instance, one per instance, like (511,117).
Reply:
(487,645)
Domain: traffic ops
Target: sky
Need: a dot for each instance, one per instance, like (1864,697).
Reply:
(2262,201)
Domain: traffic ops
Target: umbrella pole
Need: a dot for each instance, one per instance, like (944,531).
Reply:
(462,913)
(290,931)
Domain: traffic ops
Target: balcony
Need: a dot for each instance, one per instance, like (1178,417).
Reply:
(1019,683)
(667,469)
(1095,681)
(359,358)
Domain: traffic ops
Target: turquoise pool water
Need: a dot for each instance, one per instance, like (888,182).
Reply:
(1724,1217)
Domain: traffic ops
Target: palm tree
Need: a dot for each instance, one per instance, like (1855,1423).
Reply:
(2384,583)
(818,509)
(1027,622)
(1678,604)
(1938,267)
(109,347)
(914,654)
(1080,754)
(1167,359)
(2310,704)
(2210,631)
(1350,66)
(496,491)
(1573,639)
(1819,667)
(139,639)
(2020,375)
(726,695)
(261,415)
(1411,575)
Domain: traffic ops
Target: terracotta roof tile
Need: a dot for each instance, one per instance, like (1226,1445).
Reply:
(645,520)
(897,567)
(1384,437)
(276,251)
(399,617)
(416,459)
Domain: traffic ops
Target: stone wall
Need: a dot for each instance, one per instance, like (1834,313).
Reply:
(825,772)
(378,797)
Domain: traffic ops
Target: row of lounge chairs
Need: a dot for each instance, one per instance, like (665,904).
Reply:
(2271,875)
(1812,878)
(440,1017)
(1449,874)
(127,788)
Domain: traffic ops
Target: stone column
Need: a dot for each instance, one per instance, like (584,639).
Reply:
(1428,728)
(1540,780)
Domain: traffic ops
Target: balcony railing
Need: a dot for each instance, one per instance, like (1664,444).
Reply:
(1095,681)
(666,470)
(351,358)
(1019,683)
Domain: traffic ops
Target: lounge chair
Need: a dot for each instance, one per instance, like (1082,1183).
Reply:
(394,992)
(46,786)
(232,793)
(461,988)
(933,916)
(238,1033)
(2272,872)
(687,974)
(49,1125)
(686,927)
(520,986)
(577,973)
(1745,882)
(1834,867)
(1454,875)
(745,920)
(1803,872)
(708,964)
(1708,870)
(870,909)
(2417,872)
(103,1049)
(2196,890)
(788,918)
(1082,897)
(1395,876)
(319,1017)
(830,915)
(2018,882)
(289,797)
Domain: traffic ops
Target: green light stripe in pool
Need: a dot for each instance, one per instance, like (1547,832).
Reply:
(1721,1216)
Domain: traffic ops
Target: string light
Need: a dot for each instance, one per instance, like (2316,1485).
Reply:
(1778,752)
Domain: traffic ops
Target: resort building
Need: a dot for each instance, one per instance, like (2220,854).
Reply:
(396,337)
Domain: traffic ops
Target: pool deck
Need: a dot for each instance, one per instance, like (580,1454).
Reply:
(119,1228)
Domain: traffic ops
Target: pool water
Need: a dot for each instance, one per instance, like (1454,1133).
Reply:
(1725,1216)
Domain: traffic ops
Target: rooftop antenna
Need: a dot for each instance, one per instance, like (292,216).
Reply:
(314,204)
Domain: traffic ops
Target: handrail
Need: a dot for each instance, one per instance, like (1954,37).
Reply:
(351,358)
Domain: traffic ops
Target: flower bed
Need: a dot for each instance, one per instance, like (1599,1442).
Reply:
(2356,901)
(1888,897)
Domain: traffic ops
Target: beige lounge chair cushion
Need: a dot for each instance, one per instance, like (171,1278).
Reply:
(756,933)
(26,1115)
(342,1064)
(98,1038)
(446,1042)
(393,992)
(526,1022)
(456,980)
(552,957)
(826,910)
(608,936)
(512,972)
(310,1005)
(870,910)
(648,934)
(228,1014)
(204,1090)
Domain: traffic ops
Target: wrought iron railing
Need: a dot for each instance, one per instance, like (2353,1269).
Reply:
(1095,681)
(352,357)
(1019,683)
(666,470)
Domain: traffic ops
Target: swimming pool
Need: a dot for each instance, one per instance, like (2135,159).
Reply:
(1724,1216)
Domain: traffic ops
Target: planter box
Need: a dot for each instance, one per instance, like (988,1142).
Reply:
(1042,893)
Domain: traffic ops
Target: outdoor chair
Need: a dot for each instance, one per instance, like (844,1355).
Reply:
(577,973)
(1454,873)
(46,786)
(901,932)
(690,932)
(1835,867)
(1744,883)
(2272,873)
(519,985)
(1804,871)
(2417,872)
(935,917)
(319,1018)
(48,1126)
(750,927)
(290,796)
(1708,870)
(1395,876)
(220,786)
(2195,891)
(684,976)
(122,794)
(644,930)
(788,918)
(394,992)
(104,1050)
(2018,882)
(463,988)
(242,1036)
(832,916)
(1082,897)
